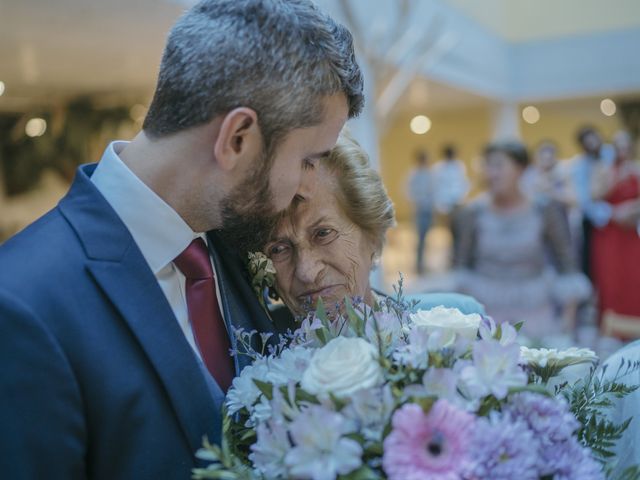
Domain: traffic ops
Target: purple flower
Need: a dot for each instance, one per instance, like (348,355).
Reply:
(549,418)
(569,460)
(503,450)
(435,445)
(559,453)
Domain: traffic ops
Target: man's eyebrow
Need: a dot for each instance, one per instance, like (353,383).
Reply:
(319,155)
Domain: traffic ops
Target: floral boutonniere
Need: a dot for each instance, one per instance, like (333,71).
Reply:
(262,273)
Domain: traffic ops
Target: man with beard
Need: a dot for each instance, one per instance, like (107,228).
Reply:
(117,309)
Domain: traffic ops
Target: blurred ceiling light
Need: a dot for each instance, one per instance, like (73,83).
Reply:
(35,127)
(1,88)
(420,124)
(530,114)
(137,112)
(608,107)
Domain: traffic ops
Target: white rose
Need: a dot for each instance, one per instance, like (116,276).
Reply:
(342,367)
(448,322)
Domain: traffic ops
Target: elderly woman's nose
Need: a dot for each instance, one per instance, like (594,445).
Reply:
(309,265)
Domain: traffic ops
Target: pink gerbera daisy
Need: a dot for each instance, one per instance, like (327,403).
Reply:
(433,445)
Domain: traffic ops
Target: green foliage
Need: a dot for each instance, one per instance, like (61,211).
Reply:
(631,473)
(589,399)
(226,464)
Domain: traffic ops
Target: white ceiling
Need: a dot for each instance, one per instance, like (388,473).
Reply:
(51,49)
(59,47)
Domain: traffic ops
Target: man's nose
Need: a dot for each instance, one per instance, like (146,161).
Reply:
(308,181)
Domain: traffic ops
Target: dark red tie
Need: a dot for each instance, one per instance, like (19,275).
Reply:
(204,312)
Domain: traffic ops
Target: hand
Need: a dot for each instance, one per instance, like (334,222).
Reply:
(627,214)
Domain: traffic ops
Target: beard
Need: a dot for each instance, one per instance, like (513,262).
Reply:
(248,214)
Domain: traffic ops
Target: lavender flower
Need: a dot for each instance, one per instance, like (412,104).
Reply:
(559,453)
(269,451)
(549,418)
(495,369)
(570,461)
(321,452)
(503,450)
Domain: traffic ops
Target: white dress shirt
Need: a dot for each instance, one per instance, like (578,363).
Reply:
(160,233)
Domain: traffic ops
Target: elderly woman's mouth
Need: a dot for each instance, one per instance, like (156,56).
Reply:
(327,291)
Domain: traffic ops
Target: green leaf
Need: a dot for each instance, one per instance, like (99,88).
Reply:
(355,321)
(265,387)
(363,473)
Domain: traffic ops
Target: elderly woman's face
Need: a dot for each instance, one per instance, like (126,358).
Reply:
(318,252)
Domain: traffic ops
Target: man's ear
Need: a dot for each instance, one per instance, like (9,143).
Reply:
(239,137)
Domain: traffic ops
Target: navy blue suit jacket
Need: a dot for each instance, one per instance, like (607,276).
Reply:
(96,377)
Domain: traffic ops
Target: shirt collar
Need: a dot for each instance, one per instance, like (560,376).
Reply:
(158,230)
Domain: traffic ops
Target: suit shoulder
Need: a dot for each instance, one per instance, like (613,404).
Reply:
(46,247)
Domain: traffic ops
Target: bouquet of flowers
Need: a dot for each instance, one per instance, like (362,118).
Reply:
(399,393)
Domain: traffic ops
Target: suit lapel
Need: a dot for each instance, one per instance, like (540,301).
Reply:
(118,267)
(241,307)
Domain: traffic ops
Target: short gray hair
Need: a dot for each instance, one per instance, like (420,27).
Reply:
(360,191)
(277,57)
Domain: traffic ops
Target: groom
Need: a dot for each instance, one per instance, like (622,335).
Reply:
(116,308)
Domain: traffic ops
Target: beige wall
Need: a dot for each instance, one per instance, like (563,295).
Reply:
(470,129)
(559,121)
(521,20)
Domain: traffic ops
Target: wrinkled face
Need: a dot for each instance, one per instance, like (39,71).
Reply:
(318,252)
(250,210)
(502,174)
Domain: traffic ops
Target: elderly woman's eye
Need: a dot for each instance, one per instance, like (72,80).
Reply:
(325,235)
(278,251)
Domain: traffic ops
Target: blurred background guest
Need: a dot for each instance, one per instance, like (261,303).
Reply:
(594,212)
(544,180)
(616,245)
(450,183)
(420,192)
(450,186)
(501,254)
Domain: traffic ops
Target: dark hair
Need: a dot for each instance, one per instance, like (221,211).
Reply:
(516,151)
(280,58)
(583,132)
(449,151)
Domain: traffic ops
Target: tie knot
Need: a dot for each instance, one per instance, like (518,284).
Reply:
(194,262)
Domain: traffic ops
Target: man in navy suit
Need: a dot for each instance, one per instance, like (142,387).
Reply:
(102,372)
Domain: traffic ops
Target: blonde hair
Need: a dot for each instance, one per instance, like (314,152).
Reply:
(360,191)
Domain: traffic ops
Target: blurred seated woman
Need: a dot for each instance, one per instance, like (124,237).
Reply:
(326,245)
(506,246)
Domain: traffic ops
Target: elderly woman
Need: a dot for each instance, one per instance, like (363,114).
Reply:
(326,245)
